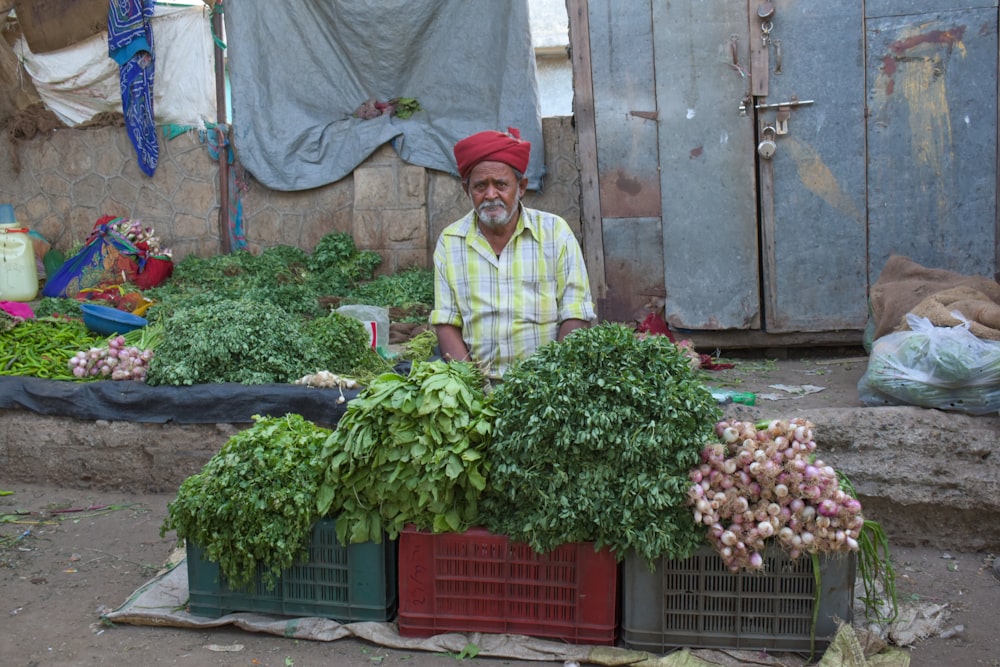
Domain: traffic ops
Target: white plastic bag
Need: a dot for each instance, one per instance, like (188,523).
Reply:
(947,368)
(80,81)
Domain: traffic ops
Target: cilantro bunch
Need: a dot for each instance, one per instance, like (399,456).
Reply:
(253,505)
(233,340)
(593,441)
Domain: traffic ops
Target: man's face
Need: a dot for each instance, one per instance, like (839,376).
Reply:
(495,192)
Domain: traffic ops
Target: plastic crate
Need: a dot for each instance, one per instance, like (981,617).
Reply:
(479,582)
(699,603)
(353,583)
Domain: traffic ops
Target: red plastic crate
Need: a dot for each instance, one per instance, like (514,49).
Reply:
(479,582)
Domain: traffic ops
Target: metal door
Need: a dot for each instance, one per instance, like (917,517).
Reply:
(755,163)
(812,194)
(706,148)
(932,134)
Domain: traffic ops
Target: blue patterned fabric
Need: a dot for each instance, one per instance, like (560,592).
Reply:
(130,44)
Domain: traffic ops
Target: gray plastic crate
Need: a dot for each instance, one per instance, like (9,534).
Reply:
(699,603)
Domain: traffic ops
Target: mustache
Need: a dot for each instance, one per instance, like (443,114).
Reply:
(491,208)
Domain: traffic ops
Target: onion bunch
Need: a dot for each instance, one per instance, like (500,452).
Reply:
(117,361)
(760,483)
(136,233)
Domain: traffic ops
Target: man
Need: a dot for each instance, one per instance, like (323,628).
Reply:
(507,278)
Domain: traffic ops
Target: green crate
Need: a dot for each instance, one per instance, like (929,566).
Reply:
(698,603)
(353,583)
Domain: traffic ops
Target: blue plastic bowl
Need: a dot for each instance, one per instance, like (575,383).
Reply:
(110,321)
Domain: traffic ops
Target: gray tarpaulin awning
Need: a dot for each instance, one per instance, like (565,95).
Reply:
(299,71)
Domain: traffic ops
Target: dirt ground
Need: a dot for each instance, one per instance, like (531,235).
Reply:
(792,385)
(67,555)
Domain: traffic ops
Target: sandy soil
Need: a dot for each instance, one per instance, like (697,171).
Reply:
(68,555)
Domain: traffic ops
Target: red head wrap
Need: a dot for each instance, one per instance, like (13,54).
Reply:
(495,146)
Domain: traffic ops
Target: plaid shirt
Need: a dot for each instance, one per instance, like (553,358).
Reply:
(508,306)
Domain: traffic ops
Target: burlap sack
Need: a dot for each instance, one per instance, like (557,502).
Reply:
(904,285)
(973,305)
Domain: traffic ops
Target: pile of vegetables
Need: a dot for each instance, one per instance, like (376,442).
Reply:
(256,342)
(232,341)
(344,347)
(137,234)
(42,347)
(117,361)
(947,368)
(285,276)
(764,482)
(593,441)
(409,450)
(252,507)
(240,317)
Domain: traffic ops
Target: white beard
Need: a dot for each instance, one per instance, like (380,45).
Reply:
(495,213)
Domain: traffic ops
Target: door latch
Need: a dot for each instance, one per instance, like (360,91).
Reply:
(784,112)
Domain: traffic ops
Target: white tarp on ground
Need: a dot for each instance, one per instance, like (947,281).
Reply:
(162,602)
(300,70)
(81,81)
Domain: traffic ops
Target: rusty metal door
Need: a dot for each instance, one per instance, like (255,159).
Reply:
(753,164)
(808,74)
(932,134)
(708,203)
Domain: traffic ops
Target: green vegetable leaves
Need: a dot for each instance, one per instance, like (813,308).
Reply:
(239,340)
(408,450)
(344,347)
(593,441)
(252,507)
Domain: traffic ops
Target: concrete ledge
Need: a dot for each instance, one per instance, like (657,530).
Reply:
(931,478)
(105,455)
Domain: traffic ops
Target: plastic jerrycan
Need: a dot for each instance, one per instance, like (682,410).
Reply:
(18,271)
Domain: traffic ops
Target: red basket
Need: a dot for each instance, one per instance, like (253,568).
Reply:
(479,582)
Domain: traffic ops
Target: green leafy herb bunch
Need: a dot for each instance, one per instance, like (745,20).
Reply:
(344,347)
(409,450)
(593,441)
(252,507)
(233,340)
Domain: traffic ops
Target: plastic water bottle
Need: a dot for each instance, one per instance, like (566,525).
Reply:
(724,396)
(18,271)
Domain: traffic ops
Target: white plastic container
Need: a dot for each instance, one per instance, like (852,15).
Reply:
(18,270)
(375,318)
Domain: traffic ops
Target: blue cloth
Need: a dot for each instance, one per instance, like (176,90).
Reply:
(130,44)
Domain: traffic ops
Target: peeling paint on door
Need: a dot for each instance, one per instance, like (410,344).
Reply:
(916,66)
(932,140)
(817,178)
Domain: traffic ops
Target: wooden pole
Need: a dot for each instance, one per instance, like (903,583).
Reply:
(223,134)
(586,129)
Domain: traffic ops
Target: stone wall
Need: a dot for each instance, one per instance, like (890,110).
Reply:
(62,181)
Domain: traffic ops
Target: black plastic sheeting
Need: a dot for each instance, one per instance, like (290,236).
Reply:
(124,400)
